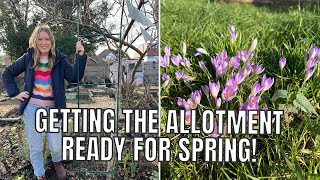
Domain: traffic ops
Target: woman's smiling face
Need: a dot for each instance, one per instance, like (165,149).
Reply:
(44,43)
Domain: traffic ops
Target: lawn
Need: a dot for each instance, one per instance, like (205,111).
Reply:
(281,32)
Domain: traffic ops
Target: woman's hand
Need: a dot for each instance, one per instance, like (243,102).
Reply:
(23,95)
(79,48)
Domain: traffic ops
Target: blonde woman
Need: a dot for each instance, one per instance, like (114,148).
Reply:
(45,70)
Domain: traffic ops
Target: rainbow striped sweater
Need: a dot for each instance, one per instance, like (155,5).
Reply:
(42,90)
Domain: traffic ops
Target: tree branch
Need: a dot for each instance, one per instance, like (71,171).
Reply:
(102,32)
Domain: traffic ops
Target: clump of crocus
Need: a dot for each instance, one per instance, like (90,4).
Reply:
(220,63)
(224,86)
(314,56)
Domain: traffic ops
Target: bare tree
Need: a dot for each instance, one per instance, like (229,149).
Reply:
(97,17)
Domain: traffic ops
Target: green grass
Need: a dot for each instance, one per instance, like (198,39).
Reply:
(288,32)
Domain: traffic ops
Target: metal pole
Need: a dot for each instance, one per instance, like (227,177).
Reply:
(78,79)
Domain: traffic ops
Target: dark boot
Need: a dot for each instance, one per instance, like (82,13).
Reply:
(41,177)
(61,172)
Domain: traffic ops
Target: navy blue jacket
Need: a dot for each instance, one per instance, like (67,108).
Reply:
(61,70)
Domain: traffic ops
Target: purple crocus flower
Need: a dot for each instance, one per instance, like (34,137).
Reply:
(175,59)
(256,88)
(244,55)
(234,62)
(253,102)
(202,65)
(313,51)
(247,70)
(228,93)
(201,51)
(188,117)
(196,96)
(266,83)
(185,77)
(309,73)
(257,69)
(232,28)
(189,104)
(218,103)
(164,61)
(254,106)
(223,54)
(179,75)
(167,51)
(232,83)
(239,77)
(220,64)
(185,62)
(221,70)
(233,34)
(282,62)
(244,106)
(311,62)
(214,89)
(265,108)
(205,90)
(180,101)
(166,79)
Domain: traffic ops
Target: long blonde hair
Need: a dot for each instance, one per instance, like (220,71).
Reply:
(33,43)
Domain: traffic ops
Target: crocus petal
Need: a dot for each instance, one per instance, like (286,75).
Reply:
(205,90)
(253,45)
(167,50)
(184,49)
(179,75)
(166,79)
(313,51)
(228,93)
(311,62)
(202,65)
(185,62)
(175,59)
(164,61)
(180,101)
(189,104)
(188,117)
(202,51)
(214,89)
(256,88)
(282,62)
(218,103)
(196,96)
(309,73)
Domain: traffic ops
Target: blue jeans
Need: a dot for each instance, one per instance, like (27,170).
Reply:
(35,140)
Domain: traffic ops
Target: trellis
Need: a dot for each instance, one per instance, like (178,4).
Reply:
(117,108)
